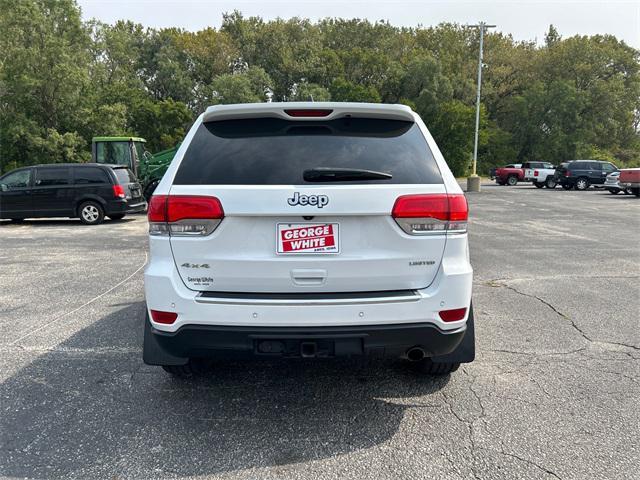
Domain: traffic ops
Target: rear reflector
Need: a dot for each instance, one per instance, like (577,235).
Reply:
(453,315)
(431,213)
(184,215)
(315,112)
(118,191)
(163,317)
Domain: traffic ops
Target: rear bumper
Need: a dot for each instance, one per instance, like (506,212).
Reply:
(322,342)
(126,206)
(450,289)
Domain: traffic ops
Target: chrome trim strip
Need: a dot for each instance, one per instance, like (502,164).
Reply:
(414,297)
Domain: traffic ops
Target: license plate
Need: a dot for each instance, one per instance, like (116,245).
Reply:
(308,238)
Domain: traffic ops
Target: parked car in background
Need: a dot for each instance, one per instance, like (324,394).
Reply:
(492,172)
(630,179)
(540,174)
(509,175)
(612,184)
(581,174)
(88,191)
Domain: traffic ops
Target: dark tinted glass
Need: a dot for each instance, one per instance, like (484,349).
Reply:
(90,175)
(19,179)
(124,175)
(269,151)
(47,177)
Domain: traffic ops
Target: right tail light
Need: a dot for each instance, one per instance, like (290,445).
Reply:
(184,215)
(428,214)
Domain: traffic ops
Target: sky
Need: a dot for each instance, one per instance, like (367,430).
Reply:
(524,19)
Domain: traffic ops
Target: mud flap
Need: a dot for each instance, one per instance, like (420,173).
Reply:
(465,352)
(153,353)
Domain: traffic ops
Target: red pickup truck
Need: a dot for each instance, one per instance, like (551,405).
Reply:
(630,178)
(510,174)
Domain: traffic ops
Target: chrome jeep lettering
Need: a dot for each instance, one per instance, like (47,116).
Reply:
(304,200)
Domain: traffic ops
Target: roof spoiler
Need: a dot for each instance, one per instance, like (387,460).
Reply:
(308,111)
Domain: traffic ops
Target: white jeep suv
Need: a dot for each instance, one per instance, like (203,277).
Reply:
(308,230)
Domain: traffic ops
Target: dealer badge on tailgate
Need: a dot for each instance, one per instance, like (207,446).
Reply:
(308,238)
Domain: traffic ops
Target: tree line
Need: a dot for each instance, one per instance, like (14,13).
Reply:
(64,80)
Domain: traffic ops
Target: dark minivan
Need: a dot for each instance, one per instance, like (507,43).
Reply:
(88,191)
(581,174)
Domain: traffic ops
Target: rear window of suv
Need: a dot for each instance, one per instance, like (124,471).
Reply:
(271,151)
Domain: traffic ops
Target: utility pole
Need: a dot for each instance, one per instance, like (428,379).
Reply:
(473,182)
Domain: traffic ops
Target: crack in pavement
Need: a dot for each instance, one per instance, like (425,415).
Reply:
(499,283)
(529,462)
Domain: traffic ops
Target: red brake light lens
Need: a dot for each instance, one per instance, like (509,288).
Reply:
(157,211)
(453,315)
(184,215)
(309,112)
(440,206)
(118,191)
(182,207)
(426,214)
(163,317)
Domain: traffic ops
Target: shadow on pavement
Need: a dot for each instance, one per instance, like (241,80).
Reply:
(91,408)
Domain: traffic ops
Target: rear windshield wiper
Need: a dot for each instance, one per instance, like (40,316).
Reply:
(328,174)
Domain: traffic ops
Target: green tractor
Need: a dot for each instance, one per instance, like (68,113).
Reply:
(131,151)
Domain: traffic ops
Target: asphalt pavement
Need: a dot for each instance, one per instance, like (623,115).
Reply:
(554,391)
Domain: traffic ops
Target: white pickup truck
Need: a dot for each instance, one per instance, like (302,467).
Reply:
(540,174)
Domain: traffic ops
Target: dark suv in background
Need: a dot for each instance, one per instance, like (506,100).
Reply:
(581,174)
(88,191)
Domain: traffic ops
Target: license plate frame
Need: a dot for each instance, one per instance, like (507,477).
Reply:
(330,245)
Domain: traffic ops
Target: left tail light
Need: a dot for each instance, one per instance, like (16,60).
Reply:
(184,215)
(118,191)
(429,214)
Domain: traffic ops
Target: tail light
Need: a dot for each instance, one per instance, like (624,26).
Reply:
(535,173)
(453,315)
(184,215)
(428,214)
(309,112)
(118,191)
(163,317)
(567,173)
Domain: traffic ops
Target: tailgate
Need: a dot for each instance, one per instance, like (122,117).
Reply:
(373,253)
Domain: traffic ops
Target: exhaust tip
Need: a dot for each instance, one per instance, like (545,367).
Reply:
(415,354)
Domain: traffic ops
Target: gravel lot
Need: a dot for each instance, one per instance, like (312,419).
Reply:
(554,392)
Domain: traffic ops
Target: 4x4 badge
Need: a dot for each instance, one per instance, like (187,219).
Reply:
(303,200)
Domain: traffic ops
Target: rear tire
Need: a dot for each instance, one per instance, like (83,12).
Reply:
(567,186)
(118,216)
(550,183)
(512,180)
(628,191)
(582,184)
(613,191)
(91,213)
(428,367)
(538,185)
